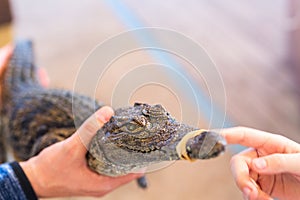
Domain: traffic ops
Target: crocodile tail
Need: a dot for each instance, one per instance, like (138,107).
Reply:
(21,72)
(20,75)
(19,78)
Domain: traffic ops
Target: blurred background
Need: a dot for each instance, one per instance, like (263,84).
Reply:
(255,45)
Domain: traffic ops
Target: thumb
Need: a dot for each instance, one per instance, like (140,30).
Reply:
(89,128)
(277,163)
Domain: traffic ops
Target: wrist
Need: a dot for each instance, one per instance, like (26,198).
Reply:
(23,181)
(34,179)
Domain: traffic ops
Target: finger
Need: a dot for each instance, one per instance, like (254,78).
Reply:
(241,172)
(116,182)
(259,139)
(89,128)
(104,184)
(5,54)
(261,196)
(277,163)
(43,77)
(245,177)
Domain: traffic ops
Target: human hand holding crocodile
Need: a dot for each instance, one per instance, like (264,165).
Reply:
(61,169)
(270,167)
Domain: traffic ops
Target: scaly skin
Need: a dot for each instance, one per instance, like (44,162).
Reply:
(139,136)
(35,117)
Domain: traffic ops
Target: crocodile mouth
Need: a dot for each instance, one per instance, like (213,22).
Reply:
(200,144)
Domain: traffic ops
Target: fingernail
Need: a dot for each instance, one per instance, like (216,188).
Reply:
(246,192)
(260,163)
(104,114)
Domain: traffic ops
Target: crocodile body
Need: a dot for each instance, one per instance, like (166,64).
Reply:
(34,117)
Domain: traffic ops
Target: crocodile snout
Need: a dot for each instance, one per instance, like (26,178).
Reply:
(201,144)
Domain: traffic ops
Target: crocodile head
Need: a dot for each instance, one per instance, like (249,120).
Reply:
(145,134)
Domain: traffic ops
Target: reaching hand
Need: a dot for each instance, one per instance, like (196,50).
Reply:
(269,168)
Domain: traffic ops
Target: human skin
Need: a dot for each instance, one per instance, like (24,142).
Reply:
(61,170)
(269,168)
(5,54)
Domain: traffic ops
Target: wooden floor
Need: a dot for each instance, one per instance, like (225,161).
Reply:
(247,40)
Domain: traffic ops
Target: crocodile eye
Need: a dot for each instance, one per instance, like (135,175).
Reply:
(133,128)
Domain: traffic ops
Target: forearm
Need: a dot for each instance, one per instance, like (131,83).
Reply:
(14,184)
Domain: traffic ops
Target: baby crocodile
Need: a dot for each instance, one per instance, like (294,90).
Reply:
(136,137)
